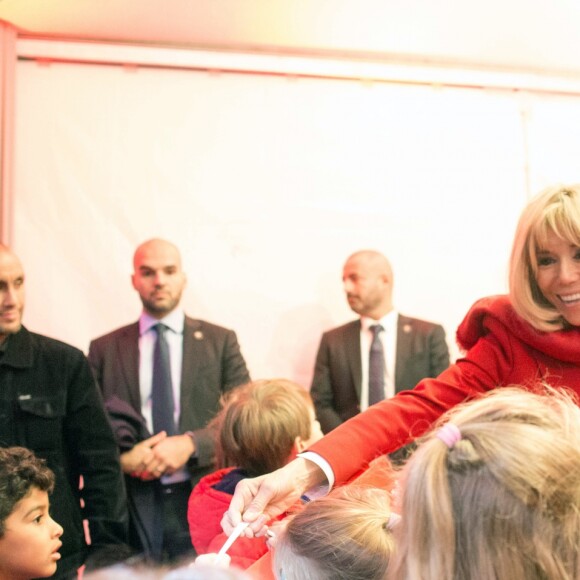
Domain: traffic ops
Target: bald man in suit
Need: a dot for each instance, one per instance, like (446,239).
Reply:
(413,349)
(205,361)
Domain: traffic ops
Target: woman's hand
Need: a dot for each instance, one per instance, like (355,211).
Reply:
(260,499)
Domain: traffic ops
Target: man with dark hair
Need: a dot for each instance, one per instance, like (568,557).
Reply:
(50,404)
(29,537)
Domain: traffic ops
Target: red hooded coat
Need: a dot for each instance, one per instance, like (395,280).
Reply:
(204,514)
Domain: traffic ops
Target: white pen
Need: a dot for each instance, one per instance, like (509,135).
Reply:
(233,537)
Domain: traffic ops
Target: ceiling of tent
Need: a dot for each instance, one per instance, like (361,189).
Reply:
(537,35)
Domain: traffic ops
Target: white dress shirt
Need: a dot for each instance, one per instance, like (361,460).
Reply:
(174,321)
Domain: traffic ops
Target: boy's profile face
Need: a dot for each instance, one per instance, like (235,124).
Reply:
(30,544)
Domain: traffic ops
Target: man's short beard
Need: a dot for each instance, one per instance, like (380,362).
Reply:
(4,331)
(159,310)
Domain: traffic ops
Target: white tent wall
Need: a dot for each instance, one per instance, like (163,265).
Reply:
(267,183)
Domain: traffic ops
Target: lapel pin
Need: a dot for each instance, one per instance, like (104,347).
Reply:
(407,328)
(198,335)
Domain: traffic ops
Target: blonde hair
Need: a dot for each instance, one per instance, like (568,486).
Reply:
(555,209)
(343,536)
(258,425)
(503,501)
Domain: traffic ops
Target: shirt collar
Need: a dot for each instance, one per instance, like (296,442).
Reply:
(388,322)
(175,321)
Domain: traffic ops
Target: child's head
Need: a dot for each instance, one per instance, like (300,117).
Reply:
(263,423)
(495,492)
(29,537)
(343,536)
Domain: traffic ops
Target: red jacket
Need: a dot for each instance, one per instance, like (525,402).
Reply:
(501,350)
(204,513)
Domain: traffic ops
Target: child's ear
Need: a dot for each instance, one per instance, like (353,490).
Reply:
(299,445)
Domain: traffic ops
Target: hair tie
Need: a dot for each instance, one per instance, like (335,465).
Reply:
(449,434)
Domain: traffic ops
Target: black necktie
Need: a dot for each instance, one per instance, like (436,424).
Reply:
(162,388)
(376,367)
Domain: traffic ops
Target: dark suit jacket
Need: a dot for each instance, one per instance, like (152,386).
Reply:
(421,352)
(212,364)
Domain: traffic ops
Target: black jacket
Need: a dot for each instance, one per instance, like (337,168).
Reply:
(49,403)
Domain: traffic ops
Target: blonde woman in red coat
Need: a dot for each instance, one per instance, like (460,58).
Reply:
(529,336)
